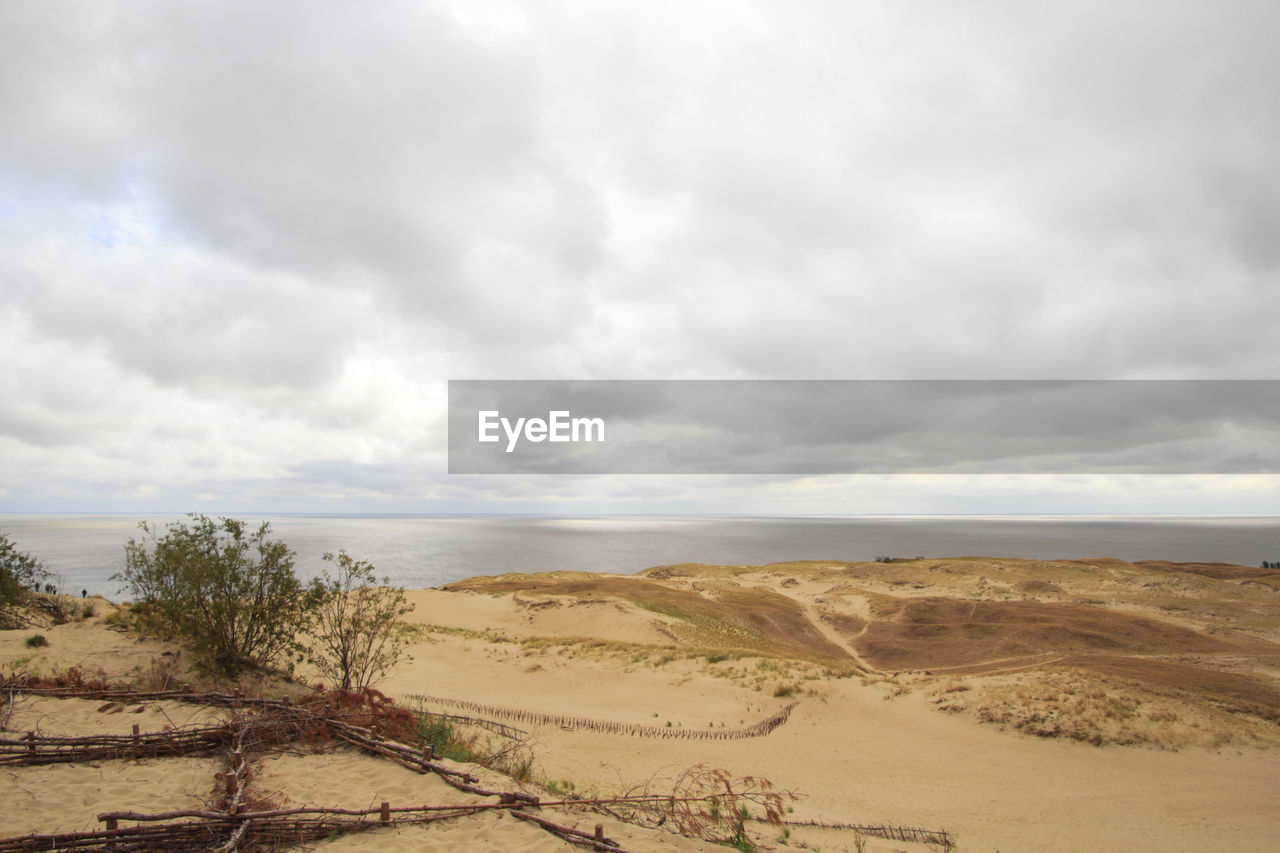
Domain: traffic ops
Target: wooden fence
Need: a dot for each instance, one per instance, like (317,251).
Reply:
(522,715)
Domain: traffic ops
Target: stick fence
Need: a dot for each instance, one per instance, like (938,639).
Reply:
(240,824)
(759,729)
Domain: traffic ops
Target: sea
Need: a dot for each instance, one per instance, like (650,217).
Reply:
(419,551)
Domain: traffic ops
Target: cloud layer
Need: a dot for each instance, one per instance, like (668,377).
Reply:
(245,246)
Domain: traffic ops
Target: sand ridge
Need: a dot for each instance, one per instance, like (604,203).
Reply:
(1085,649)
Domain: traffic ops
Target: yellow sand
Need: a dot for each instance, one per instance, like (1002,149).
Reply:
(854,755)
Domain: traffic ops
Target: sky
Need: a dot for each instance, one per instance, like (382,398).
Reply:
(245,246)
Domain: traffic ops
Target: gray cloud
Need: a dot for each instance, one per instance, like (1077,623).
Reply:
(272,233)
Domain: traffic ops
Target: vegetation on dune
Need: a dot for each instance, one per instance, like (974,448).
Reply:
(467,741)
(27,598)
(19,572)
(233,596)
(231,593)
(357,633)
(923,633)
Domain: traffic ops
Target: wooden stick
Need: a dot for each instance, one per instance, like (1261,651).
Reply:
(568,833)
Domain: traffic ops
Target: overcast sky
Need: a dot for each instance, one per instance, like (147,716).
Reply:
(243,246)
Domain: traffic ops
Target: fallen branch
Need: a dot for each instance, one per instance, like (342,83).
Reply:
(574,836)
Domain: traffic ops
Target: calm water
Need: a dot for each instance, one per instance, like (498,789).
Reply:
(423,551)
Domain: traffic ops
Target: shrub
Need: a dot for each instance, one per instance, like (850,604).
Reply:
(19,573)
(357,634)
(231,593)
(36,641)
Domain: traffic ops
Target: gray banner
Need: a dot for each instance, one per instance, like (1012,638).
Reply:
(864,426)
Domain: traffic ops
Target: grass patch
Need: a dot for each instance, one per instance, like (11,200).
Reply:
(450,739)
(559,787)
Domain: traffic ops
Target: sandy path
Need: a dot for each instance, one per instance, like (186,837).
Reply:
(832,635)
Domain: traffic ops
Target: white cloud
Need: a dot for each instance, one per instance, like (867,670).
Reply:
(247,241)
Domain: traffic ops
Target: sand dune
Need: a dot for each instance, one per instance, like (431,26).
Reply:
(962,694)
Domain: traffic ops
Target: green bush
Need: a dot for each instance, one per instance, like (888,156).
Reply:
(36,641)
(232,594)
(357,633)
(19,572)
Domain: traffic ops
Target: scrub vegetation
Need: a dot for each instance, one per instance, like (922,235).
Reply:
(232,595)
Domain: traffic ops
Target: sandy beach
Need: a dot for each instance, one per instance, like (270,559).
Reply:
(1018,705)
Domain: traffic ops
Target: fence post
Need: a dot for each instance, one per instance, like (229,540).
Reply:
(31,742)
(386,814)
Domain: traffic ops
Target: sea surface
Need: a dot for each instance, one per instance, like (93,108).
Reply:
(414,552)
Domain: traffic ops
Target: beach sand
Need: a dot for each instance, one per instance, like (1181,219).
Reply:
(572,659)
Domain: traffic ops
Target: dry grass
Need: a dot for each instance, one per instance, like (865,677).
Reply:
(847,625)
(1238,694)
(1083,705)
(945,632)
(1219,571)
(1121,653)
(754,619)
